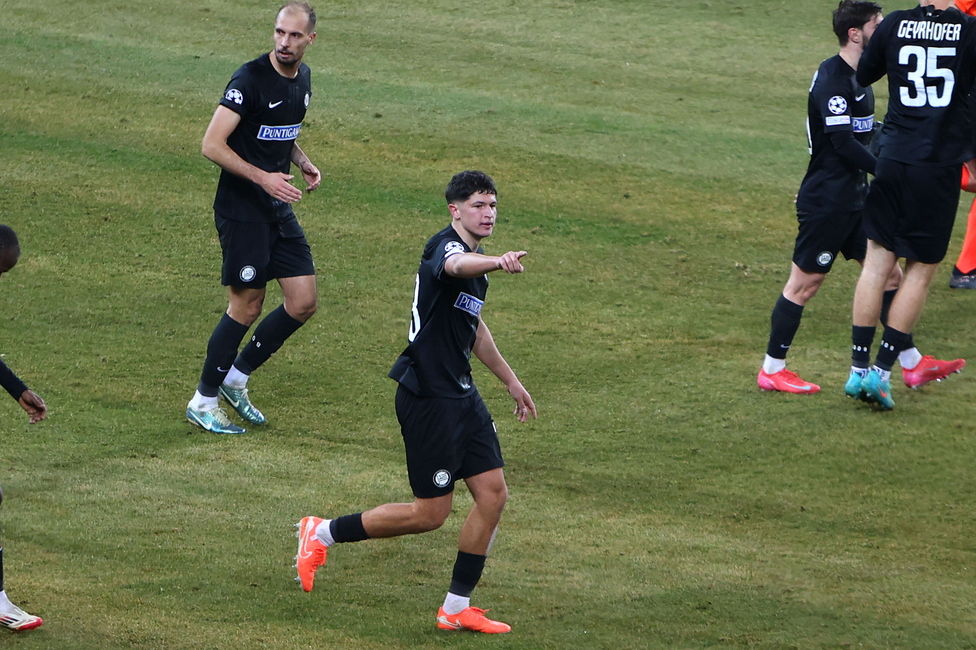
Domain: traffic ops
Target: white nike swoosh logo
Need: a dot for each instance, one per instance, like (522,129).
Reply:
(857,99)
(799,387)
(445,621)
(275,104)
(302,551)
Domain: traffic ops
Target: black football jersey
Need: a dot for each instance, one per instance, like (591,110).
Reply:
(928,56)
(443,324)
(272,108)
(836,103)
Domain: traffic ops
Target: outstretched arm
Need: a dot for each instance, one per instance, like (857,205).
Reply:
(471,265)
(487,352)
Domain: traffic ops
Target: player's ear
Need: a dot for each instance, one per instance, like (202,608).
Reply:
(453,209)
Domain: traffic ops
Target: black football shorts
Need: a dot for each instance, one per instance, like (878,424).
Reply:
(822,235)
(256,252)
(446,439)
(910,209)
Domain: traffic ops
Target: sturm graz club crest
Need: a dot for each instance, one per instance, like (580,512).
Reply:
(824,258)
(248,273)
(441,478)
(837,105)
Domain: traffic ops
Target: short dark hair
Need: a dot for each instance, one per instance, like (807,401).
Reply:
(304,6)
(8,238)
(853,13)
(468,182)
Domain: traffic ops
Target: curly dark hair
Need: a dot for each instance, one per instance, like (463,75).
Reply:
(853,13)
(469,182)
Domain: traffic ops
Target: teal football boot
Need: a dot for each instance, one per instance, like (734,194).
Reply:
(240,402)
(214,420)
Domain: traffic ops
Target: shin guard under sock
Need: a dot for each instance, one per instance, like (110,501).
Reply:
(221,351)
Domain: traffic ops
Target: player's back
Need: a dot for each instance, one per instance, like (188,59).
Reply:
(929,56)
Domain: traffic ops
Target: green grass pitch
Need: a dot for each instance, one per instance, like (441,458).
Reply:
(647,155)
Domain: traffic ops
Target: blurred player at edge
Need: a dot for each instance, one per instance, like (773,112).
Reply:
(253,138)
(447,430)
(929,56)
(964,272)
(840,117)
(11,616)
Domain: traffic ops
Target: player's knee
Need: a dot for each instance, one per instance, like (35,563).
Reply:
(428,520)
(810,290)
(801,290)
(302,309)
(252,311)
(308,310)
(494,499)
(246,312)
(430,514)
(501,498)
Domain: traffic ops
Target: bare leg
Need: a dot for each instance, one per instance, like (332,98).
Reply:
(394,519)
(911,296)
(802,286)
(244,305)
(870,289)
(490,494)
(301,296)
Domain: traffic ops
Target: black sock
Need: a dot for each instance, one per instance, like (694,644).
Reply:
(221,351)
(348,528)
(861,340)
(268,338)
(784,322)
(886,299)
(467,572)
(886,307)
(892,343)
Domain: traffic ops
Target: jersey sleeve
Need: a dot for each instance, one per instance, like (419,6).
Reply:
(833,101)
(873,64)
(444,249)
(241,95)
(853,151)
(10,382)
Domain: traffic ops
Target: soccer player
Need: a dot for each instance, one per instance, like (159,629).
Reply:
(960,279)
(11,616)
(447,431)
(28,399)
(964,272)
(929,56)
(252,137)
(840,118)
